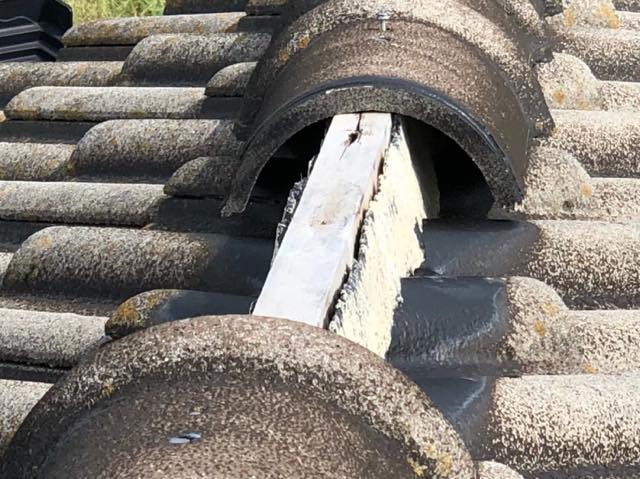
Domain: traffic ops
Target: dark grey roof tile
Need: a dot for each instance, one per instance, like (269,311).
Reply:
(33,161)
(49,132)
(266,7)
(5,259)
(629,20)
(129,31)
(101,104)
(79,203)
(118,53)
(260,219)
(191,59)
(603,141)
(591,264)
(60,303)
(109,262)
(558,187)
(205,176)
(13,233)
(543,425)
(163,306)
(495,470)
(569,84)
(630,5)
(231,81)
(506,327)
(174,7)
(48,339)
(611,54)
(16,77)
(148,148)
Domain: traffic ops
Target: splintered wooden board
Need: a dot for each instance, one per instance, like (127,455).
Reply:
(319,246)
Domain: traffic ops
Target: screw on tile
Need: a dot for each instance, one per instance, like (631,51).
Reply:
(384,17)
(185,438)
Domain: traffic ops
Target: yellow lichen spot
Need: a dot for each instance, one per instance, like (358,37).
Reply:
(569,17)
(583,104)
(43,241)
(303,42)
(540,328)
(284,56)
(609,15)
(614,22)
(559,97)
(551,309)
(418,470)
(128,315)
(108,389)
(590,369)
(445,465)
(586,190)
(444,462)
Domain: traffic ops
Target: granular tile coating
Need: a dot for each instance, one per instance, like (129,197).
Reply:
(92,144)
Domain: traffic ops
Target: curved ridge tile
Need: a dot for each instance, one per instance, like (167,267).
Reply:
(519,19)
(330,77)
(461,21)
(291,78)
(289,364)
